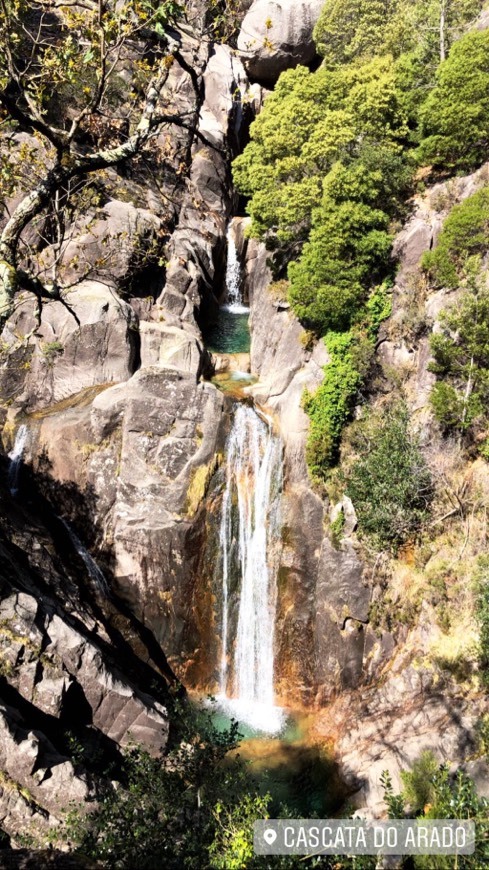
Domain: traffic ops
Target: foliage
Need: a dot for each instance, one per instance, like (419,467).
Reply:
(352,29)
(461,362)
(329,166)
(336,529)
(455,117)
(418,788)
(348,247)
(64,82)
(330,406)
(451,796)
(346,122)
(348,30)
(463,240)
(461,349)
(390,484)
(169,810)
(393,801)
(232,846)
(481,582)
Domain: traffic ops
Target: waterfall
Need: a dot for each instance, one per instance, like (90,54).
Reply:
(234,300)
(16,455)
(250,524)
(95,573)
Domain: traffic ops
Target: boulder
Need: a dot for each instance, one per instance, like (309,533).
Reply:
(109,245)
(90,338)
(276,35)
(165,346)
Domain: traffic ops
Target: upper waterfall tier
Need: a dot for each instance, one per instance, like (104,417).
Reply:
(230,334)
(234,297)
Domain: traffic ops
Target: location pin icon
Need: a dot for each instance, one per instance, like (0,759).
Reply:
(269,836)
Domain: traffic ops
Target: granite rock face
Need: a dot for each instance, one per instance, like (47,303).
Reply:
(388,725)
(123,438)
(66,675)
(90,338)
(276,35)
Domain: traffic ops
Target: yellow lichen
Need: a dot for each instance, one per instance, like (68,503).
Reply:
(199,484)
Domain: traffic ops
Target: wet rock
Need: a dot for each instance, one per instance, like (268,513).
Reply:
(196,249)
(323,597)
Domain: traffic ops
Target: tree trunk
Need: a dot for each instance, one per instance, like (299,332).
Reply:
(442,29)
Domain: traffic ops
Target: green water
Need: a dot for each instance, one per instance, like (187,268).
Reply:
(298,774)
(230,334)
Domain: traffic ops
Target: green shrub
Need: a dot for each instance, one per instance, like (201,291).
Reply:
(390,484)
(463,239)
(450,796)
(455,116)
(346,252)
(336,529)
(331,405)
(418,785)
(51,349)
(481,583)
(169,810)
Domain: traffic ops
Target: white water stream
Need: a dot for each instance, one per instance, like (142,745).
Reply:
(16,456)
(250,526)
(234,301)
(94,572)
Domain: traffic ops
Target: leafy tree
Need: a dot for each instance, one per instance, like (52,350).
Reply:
(390,484)
(170,810)
(311,122)
(345,253)
(418,33)
(461,361)
(455,116)
(325,172)
(353,29)
(62,78)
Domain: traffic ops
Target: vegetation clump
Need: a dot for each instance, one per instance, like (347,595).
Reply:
(390,483)
(193,807)
(455,116)
(400,84)
(462,242)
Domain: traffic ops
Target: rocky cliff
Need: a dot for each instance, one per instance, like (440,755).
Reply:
(107,596)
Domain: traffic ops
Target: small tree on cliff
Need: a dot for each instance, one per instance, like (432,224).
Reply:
(86,78)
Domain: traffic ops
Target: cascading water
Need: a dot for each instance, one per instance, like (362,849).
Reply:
(16,456)
(248,536)
(231,334)
(234,299)
(95,573)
